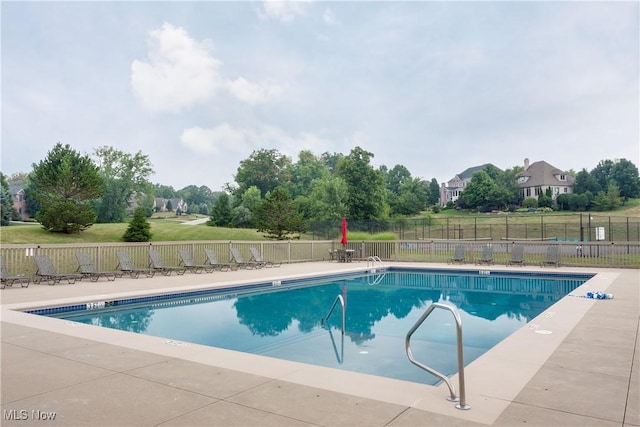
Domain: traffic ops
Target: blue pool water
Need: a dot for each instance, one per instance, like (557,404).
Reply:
(283,319)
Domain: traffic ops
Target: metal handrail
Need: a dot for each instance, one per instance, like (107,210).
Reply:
(335,302)
(377,280)
(456,315)
(375,261)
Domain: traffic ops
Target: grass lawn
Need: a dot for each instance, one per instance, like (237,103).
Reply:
(161,230)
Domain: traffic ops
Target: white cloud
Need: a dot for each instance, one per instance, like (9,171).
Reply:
(211,141)
(282,10)
(178,73)
(329,17)
(225,138)
(252,93)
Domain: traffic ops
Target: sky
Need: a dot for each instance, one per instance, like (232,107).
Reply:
(437,87)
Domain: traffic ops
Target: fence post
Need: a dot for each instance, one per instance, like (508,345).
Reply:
(506,225)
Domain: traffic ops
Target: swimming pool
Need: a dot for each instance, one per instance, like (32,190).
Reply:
(283,319)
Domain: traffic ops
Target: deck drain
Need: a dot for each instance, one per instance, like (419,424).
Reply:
(543,332)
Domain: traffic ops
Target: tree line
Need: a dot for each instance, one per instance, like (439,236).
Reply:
(68,192)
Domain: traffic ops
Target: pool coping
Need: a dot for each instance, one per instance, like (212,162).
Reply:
(485,393)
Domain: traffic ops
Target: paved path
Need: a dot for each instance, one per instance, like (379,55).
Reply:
(196,221)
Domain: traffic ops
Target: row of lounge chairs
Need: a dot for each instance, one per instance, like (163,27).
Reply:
(46,272)
(517,256)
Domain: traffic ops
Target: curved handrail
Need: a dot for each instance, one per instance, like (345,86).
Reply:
(456,315)
(375,261)
(335,302)
(377,280)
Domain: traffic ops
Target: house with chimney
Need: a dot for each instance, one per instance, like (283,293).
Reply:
(537,177)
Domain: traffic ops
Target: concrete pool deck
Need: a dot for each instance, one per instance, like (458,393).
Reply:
(575,364)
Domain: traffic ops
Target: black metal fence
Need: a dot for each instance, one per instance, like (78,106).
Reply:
(585,227)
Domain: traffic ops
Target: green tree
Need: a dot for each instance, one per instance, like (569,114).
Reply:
(478,193)
(139,229)
(625,175)
(366,192)
(124,175)
(507,180)
(265,169)
(242,217)
(194,195)
(6,202)
(329,199)
(331,161)
(164,191)
(278,217)
(221,214)
(308,169)
(169,206)
(411,199)
(584,182)
(485,194)
(396,177)
(602,174)
(434,192)
(251,198)
(66,182)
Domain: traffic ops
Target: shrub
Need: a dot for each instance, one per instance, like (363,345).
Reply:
(139,229)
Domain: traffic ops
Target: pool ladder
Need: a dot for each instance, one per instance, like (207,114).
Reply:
(374,261)
(456,314)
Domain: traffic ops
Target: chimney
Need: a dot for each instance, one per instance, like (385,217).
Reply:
(526,164)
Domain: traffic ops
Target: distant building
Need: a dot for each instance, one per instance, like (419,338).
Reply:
(537,177)
(19,202)
(450,191)
(160,205)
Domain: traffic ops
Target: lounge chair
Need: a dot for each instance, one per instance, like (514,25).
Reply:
(157,263)
(8,279)
(126,266)
(517,256)
(212,259)
(552,257)
(190,265)
(46,271)
(459,254)
(332,254)
(240,262)
(257,257)
(487,255)
(87,268)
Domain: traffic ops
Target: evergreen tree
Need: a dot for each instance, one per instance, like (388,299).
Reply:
(66,183)
(139,229)
(221,214)
(6,202)
(278,216)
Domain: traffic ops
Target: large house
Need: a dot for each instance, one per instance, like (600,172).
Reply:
(450,191)
(537,177)
(160,205)
(19,202)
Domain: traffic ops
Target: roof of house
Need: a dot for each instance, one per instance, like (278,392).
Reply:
(543,174)
(15,189)
(468,173)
